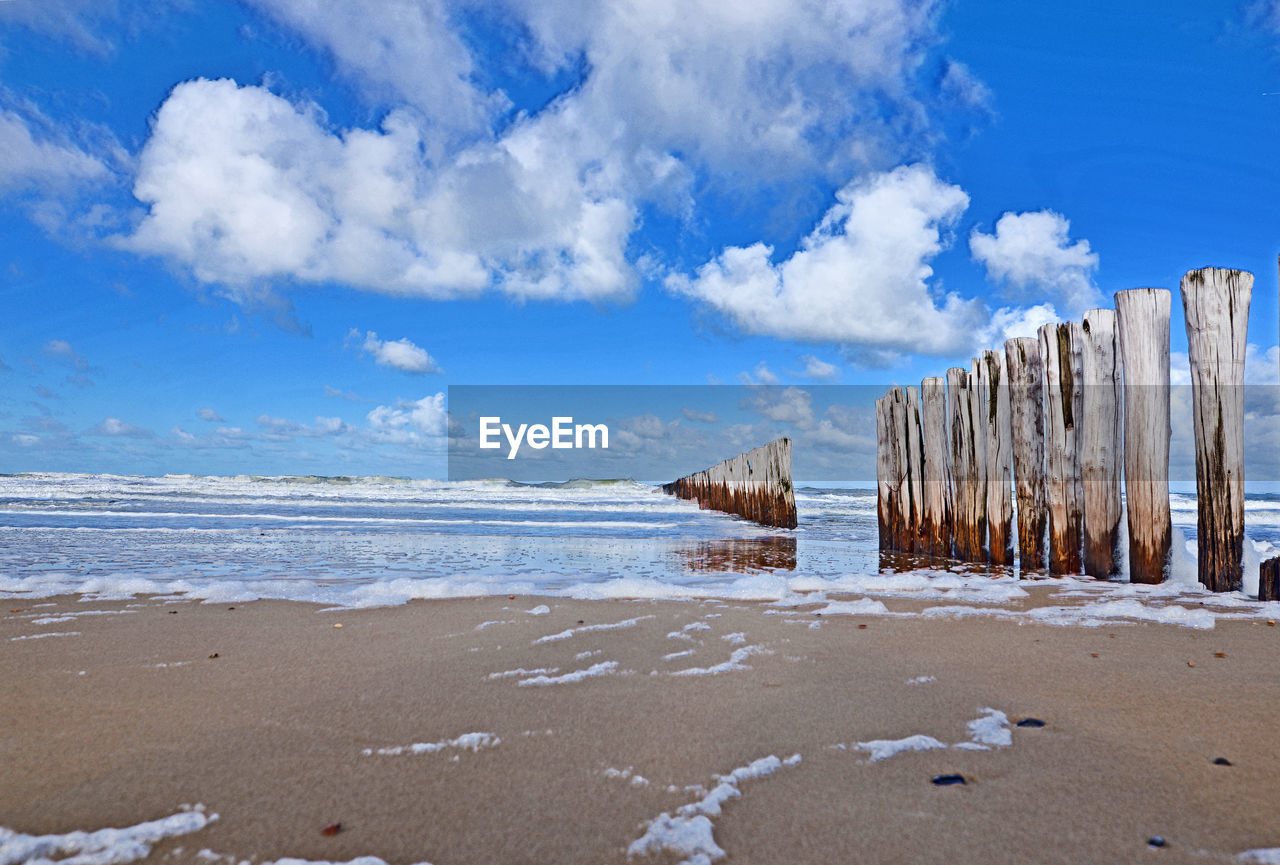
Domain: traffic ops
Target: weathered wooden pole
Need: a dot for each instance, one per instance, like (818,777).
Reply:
(1026,413)
(884,474)
(915,471)
(1216,303)
(1142,318)
(1100,443)
(902,494)
(993,386)
(937,468)
(968,517)
(1269,580)
(977,406)
(1060,347)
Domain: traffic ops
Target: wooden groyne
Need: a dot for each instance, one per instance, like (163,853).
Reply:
(1216,304)
(1100,437)
(1060,346)
(1026,422)
(755,485)
(1142,318)
(1057,423)
(993,392)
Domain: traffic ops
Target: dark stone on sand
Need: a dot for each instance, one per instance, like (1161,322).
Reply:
(947,780)
(1221,761)
(1155,841)
(1030,722)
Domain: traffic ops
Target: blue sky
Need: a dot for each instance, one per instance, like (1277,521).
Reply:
(265,237)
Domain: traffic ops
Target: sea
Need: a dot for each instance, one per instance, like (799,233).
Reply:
(379,541)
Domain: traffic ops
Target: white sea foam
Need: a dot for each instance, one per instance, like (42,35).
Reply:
(521,671)
(734,663)
(47,634)
(604,668)
(612,626)
(100,847)
(472,742)
(690,832)
(989,730)
(1261,856)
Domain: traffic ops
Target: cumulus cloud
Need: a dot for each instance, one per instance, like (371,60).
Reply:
(819,370)
(861,277)
(243,186)
(210,415)
(790,405)
(455,193)
(400,354)
(1032,254)
(410,421)
(113,426)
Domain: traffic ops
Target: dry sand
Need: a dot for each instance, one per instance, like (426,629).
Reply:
(132,717)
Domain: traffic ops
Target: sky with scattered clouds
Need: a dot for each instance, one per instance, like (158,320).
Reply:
(266,236)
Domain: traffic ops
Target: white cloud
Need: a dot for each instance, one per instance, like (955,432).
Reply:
(960,84)
(32,158)
(761,374)
(1010,322)
(210,415)
(113,426)
(699,416)
(790,405)
(243,186)
(453,194)
(1261,366)
(1032,254)
(72,20)
(861,277)
(410,421)
(819,370)
(405,51)
(61,350)
(400,354)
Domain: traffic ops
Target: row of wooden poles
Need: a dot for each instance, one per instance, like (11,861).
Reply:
(1047,424)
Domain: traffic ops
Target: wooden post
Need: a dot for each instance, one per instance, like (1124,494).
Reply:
(977,407)
(915,471)
(1216,303)
(1142,318)
(1100,443)
(884,474)
(902,494)
(1026,412)
(1060,347)
(968,517)
(993,386)
(937,468)
(1269,580)
(756,485)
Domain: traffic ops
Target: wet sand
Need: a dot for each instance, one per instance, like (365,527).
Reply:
(130,717)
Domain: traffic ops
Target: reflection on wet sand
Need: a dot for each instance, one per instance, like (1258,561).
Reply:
(899,562)
(739,555)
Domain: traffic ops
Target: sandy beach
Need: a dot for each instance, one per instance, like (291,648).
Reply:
(282,723)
